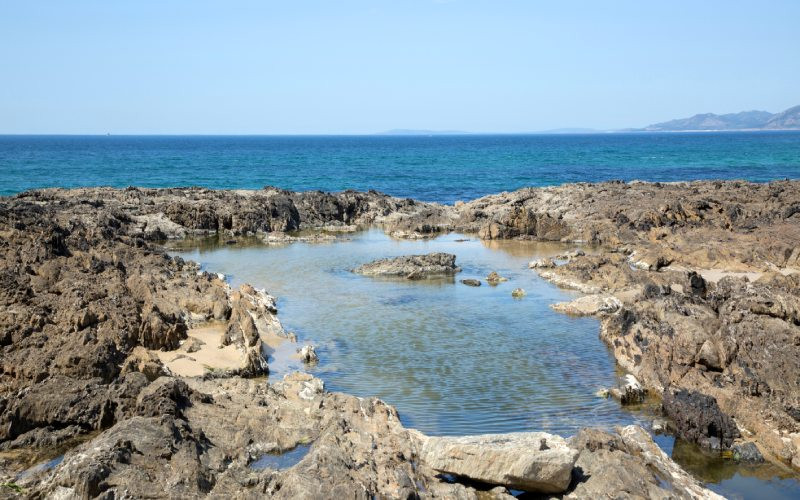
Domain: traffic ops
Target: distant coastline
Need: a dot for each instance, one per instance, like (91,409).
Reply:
(744,121)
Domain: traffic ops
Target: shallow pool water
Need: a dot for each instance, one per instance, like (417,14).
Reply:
(453,359)
(282,460)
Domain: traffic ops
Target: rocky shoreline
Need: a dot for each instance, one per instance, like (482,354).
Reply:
(89,295)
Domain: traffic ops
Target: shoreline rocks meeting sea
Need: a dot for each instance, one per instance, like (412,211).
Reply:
(144,376)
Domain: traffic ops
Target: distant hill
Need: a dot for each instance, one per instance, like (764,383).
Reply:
(745,120)
(789,119)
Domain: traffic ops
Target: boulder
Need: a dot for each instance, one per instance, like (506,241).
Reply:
(518,293)
(529,461)
(542,263)
(698,419)
(308,354)
(412,266)
(629,391)
(471,282)
(494,278)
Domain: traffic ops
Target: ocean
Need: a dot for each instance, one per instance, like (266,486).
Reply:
(430,168)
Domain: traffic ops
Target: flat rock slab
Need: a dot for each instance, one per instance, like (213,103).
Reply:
(589,305)
(412,266)
(529,461)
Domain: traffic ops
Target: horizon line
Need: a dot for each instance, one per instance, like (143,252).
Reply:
(384,134)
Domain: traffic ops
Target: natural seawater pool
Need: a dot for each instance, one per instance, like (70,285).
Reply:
(453,359)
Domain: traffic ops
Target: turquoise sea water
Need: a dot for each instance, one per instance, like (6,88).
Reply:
(431,168)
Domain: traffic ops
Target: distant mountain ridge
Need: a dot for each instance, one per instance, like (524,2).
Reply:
(745,120)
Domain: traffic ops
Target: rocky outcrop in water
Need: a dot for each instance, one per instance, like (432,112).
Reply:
(412,267)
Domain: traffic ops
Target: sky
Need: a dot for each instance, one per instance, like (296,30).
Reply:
(365,66)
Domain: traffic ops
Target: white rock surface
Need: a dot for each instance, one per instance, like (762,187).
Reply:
(529,461)
(589,305)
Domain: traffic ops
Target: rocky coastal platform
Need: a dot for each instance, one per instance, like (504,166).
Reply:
(696,286)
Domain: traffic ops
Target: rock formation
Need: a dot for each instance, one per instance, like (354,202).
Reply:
(704,275)
(412,266)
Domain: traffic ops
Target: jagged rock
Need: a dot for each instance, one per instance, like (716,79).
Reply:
(629,464)
(143,361)
(308,354)
(698,419)
(412,266)
(298,385)
(536,461)
(629,391)
(82,283)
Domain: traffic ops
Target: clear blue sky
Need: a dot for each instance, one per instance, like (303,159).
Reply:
(365,66)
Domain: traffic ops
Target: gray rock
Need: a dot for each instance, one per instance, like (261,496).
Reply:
(471,282)
(699,419)
(412,266)
(747,452)
(529,461)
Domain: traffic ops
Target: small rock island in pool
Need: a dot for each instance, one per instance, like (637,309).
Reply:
(412,267)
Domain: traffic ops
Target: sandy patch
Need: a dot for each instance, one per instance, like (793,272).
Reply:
(210,356)
(279,350)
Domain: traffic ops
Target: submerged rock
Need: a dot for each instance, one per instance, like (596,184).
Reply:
(494,278)
(747,452)
(471,282)
(534,461)
(518,293)
(412,266)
